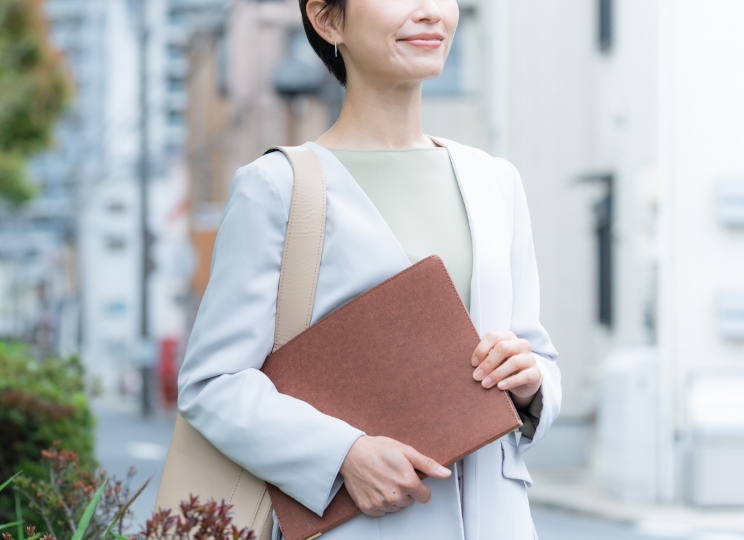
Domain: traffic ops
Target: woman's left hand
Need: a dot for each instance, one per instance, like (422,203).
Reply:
(503,360)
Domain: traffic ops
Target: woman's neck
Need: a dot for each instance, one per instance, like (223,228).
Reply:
(378,117)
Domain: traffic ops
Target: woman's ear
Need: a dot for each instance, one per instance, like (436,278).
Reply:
(323,20)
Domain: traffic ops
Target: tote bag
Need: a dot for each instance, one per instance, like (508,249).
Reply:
(193,465)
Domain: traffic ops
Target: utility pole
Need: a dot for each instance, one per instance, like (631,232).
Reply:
(147,349)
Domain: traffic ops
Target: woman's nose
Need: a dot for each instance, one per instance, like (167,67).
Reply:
(427,11)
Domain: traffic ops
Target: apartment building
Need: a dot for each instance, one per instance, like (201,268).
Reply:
(623,120)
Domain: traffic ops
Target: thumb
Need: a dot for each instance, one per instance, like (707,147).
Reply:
(426,464)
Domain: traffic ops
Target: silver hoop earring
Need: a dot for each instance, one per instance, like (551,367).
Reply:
(335,47)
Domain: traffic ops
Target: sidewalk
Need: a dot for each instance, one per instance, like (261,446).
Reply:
(124,438)
(573,490)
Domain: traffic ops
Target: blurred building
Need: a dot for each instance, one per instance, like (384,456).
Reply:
(39,251)
(71,261)
(144,40)
(624,121)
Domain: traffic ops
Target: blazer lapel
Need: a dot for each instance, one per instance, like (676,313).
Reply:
(488,198)
(487,187)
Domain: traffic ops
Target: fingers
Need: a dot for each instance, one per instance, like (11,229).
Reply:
(487,343)
(499,354)
(418,491)
(380,475)
(425,464)
(511,366)
(386,502)
(405,502)
(380,504)
(397,500)
(529,378)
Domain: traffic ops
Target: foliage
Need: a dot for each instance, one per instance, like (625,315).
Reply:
(34,91)
(197,521)
(68,494)
(14,187)
(31,534)
(63,496)
(40,402)
(81,527)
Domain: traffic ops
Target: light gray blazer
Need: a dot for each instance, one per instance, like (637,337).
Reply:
(287,442)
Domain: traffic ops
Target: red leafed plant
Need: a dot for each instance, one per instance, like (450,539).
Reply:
(30,533)
(197,521)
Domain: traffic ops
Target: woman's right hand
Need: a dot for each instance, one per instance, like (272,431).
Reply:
(379,474)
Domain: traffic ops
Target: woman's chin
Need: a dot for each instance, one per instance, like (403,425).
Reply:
(421,71)
(425,75)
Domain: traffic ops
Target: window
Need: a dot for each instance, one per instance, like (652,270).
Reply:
(115,243)
(603,229)
(176,18)
(449,80)
(115,307)
(175,119)
(176,53)
(605,25)
(176,85)
(116,207)
(222,64)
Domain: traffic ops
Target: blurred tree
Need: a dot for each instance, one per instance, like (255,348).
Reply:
(34,90)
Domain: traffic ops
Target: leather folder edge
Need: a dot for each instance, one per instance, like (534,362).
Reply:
(430,259)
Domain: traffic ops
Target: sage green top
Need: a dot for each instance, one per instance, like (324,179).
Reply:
(417,194)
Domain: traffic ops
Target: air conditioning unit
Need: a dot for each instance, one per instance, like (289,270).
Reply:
(715,408)
(626,424)
(729,201)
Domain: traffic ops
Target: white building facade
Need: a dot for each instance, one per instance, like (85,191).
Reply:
(112,235)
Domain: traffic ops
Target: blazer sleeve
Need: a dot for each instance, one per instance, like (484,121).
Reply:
(222,393)
(526,323)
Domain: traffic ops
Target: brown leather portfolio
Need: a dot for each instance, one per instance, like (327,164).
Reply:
(395,361)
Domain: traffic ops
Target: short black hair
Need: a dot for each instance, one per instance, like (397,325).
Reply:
(325,50)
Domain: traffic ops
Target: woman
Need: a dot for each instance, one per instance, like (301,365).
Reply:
(394,196)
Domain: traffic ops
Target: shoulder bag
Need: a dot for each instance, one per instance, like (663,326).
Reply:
(195,467)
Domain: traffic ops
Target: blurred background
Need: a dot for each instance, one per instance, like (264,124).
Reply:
(120,135)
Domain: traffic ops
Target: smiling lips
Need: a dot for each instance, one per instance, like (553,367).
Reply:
(424,41)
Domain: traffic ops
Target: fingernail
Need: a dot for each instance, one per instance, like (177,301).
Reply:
(479,375)
(487,382)
(474,361)
(443,470)
(502,385)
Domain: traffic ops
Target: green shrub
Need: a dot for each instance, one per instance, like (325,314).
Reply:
(40,402)
(63,498)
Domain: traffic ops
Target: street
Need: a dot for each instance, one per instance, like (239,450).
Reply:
(124,439)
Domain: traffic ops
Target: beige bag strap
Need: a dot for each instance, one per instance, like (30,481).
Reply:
(303,244)
(193,465)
